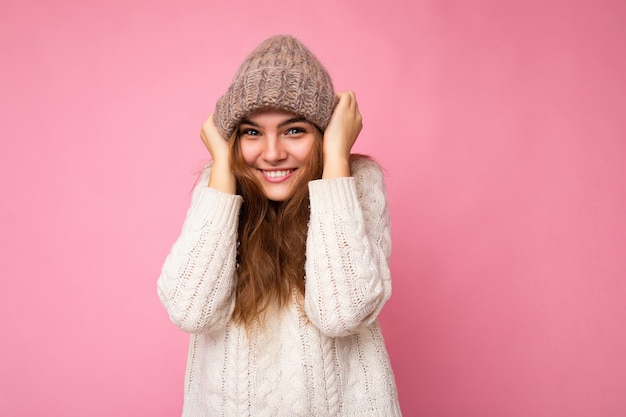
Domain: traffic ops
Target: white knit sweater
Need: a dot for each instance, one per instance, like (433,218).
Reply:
(326,358)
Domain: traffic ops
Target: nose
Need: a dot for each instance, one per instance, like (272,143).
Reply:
(274,150)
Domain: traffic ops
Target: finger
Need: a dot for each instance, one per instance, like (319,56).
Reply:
(349,98)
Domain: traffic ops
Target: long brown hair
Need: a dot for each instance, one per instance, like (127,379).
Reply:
(272,238)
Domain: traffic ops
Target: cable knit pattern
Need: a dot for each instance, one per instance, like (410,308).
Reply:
(348,248)
(326,358)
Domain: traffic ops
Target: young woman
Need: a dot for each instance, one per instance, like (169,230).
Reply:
(282,266)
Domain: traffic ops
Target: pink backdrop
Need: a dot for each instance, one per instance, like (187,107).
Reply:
(502,128)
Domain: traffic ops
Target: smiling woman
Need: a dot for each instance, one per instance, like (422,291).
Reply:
(282,266)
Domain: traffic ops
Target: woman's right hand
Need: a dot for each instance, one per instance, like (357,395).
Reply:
(213,140)
(222,177)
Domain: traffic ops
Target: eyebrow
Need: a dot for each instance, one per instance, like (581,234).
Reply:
(295,119)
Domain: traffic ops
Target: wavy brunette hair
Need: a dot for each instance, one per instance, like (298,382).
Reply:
(272,237)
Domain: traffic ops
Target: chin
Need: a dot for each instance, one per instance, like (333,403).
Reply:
(275,195)
(277,199)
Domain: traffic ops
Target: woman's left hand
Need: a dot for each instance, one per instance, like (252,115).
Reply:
(342,131)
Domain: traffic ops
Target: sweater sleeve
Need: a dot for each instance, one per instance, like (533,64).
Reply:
(197,281)
(348,250)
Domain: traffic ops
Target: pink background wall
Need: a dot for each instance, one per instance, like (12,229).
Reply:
(502,127)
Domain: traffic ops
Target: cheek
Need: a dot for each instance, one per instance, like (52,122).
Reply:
(302,150)
(249,153)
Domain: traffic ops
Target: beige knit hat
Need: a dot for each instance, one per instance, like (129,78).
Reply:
(281,74)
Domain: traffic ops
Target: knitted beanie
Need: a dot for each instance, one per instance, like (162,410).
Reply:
(280,74)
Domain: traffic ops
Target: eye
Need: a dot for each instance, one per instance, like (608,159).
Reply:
(295,131)
(249,132)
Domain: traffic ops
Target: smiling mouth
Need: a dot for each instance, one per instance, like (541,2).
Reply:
(277,174)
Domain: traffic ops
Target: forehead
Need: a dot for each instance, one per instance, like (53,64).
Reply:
(271,117)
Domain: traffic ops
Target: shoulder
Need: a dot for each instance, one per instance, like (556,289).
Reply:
(366,171)
(359,162)
(203,175)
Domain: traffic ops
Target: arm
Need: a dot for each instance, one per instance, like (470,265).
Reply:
(197,282)
(348,249)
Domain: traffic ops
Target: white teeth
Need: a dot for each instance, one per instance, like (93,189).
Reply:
(277,174)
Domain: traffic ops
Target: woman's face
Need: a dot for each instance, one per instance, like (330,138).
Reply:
(276,146)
